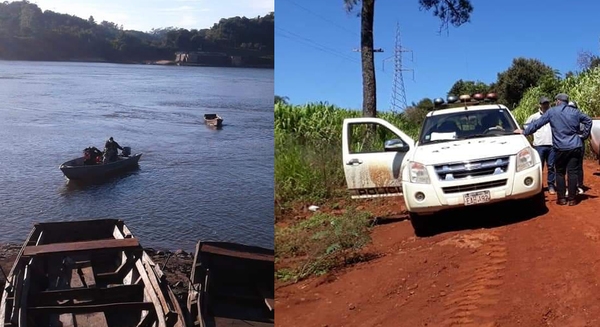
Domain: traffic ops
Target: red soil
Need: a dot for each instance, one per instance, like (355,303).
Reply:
(487,266)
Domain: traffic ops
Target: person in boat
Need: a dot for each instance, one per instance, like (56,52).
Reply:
(91,155)
(111,150)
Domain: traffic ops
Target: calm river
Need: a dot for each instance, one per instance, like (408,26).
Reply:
(194,182)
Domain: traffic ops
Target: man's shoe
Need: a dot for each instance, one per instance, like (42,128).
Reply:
(561,202)
(551,190)
(572,202)
(579,190)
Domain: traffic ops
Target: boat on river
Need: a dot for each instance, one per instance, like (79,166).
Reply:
(86,273)
(213,120)
(76,169)
(231,285)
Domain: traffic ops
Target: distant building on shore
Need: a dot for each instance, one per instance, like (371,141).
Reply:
(203,58)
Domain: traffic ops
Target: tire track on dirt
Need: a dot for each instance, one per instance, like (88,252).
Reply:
(470,302)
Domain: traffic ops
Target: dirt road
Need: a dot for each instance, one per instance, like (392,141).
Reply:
(489,266)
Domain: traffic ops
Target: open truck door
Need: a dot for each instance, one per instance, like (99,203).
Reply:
(373,153)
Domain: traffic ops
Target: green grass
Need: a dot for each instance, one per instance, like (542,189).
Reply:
(322,243)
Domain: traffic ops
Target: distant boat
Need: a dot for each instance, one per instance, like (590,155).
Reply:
(86,273)
(231,285)
(213,120)
(76,170)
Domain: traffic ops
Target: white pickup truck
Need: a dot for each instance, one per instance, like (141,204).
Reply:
(467,155)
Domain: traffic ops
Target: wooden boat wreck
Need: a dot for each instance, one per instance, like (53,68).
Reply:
(86,273)
(76,169)
(231,285)
(213,120)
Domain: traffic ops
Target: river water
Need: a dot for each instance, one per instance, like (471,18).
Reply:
(194,182)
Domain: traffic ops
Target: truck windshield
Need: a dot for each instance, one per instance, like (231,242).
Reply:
(466,124)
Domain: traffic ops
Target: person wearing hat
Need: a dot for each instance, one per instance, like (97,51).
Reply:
(542,142)
(566,140)
(110,150)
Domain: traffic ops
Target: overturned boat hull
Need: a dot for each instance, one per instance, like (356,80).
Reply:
(86,273)
(231,285)
(76,170)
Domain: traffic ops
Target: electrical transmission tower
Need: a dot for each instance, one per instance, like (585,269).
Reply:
(398,102)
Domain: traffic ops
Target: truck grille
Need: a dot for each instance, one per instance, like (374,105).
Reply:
(479,168)
(474,187)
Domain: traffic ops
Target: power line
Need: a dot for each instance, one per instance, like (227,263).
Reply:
(314,44)
(323,18)
(318,47)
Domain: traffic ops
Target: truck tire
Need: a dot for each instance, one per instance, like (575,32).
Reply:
(536,205)
(419,224)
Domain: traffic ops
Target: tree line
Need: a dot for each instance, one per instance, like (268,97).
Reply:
(510,85)
(27,33)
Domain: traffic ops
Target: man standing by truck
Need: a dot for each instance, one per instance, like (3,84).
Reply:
(567,140)
(580,186)
(542,143)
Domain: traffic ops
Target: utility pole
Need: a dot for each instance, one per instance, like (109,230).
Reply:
(398,101)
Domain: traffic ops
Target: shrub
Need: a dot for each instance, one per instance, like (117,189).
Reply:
(322,242)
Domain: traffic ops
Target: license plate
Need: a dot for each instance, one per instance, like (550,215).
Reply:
(477,197)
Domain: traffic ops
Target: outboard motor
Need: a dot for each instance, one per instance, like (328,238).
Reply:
(126,151)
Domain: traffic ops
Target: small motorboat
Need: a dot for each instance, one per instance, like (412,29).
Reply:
(231,285)
(76,169)
(213,120)
(86,273)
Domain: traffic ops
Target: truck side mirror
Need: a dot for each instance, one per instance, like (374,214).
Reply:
(396,145)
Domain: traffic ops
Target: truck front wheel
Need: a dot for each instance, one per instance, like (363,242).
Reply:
(536,205)
(419,223)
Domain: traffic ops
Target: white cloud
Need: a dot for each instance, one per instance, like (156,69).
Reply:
(185,8)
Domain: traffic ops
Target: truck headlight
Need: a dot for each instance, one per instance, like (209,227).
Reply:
(525,159)
(418,173)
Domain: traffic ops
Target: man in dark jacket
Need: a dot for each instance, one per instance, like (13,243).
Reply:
(580,187)
(110,150)
(567,140)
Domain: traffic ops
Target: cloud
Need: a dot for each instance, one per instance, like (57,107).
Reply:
(188,21)
(265,5)
(185,9)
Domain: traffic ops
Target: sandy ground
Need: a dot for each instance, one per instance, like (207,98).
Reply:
(487,266)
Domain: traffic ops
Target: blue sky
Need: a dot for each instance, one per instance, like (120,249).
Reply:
(143,15)
(314,41)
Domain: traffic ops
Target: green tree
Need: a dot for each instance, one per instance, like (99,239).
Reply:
(282,100)
(468,87)
(455,12)
(587,60)
(415,114)
(521,75)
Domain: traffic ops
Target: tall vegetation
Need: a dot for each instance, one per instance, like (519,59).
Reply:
(27,33)
(455,12)
(308,159)
(583,88)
